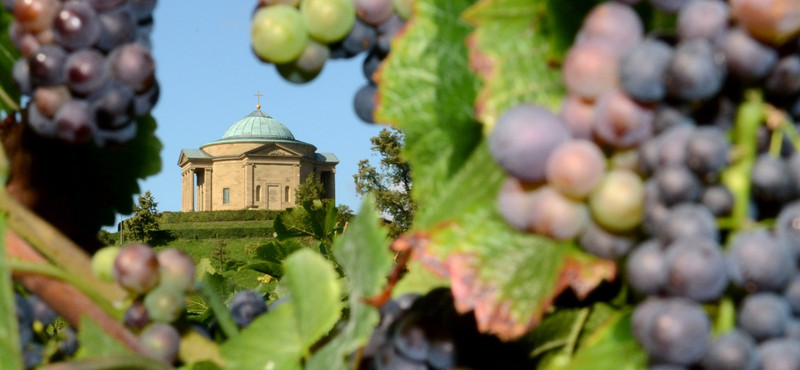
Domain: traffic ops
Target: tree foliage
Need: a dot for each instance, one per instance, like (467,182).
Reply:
(391,183)
(145,218)
(310,189)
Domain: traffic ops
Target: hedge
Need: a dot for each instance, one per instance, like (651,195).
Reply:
(211,233)
(213,216)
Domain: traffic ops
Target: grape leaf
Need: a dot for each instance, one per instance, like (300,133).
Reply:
(95,342)
(426,89)
(9,94)
(9,337)
(270,342)
(364,255)
(418,279)
(269,257)
(509,51)
(294,325)
(315,293)
(610,347)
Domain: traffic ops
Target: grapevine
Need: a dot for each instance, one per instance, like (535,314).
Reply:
(600,185)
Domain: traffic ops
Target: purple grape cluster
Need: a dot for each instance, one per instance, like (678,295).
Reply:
(633,166)
(333,29)
(426,333)
(86,67)
(36,323)
(158,282)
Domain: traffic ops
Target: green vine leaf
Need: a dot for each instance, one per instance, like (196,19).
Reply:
(95,342)
(509,50)
(316,291)
(267,259)
(293,327)
(364,255)
(426,89)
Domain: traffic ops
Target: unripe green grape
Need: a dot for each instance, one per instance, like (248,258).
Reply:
(403,8)
(176,269)
(617,203)
(164,303)
(328,20)
(103,263)
(278,34)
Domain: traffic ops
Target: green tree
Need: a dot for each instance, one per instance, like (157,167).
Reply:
(391,184)
(310,189)
(145,218)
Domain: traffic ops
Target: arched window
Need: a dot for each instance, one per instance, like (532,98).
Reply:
(286,194)
(258,193)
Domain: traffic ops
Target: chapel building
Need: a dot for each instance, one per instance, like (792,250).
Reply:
(257,164)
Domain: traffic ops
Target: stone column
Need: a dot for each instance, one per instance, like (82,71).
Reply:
(199,190)
(184,192)
(249,187)
(293,187)
(190,188)
(208,190)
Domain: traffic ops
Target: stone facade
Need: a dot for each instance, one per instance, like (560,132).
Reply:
(247,171)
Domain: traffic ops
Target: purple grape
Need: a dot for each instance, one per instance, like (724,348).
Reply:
(136,316)
(76,26)
(514,204)
(133,65)
(557,216)
(718,199)
(646,268)
(758,261)
(373,12)
(696,269)
(604,244)
(695,72)
(615,23)
(112,106)
(735,350)
(524,138)
(46,66)
(74,122)
(163,340)
(590,69)
(675,331)
(621,122)
(246,306)
(686,220)
(641,71)
(364,102)
(676,184)
(21,74)
(784,79)
(361,38)
(706,19)
(780,354)
(136,268)
(117,27)
(143,103)
(763,315)
(746,58)
(86,71)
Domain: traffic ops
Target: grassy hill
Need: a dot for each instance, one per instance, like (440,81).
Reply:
(226,238)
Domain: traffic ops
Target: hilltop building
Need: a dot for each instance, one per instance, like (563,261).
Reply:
(257,164)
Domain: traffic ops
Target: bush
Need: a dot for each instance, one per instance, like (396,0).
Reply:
(214,216)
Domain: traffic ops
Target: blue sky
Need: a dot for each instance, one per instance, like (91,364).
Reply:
(209,76)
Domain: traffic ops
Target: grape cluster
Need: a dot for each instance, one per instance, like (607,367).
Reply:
(158,282)
(638,152)
(35,320)
(86,67)
(300,36)
(426,332)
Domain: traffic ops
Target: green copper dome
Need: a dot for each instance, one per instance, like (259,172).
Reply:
(258,126)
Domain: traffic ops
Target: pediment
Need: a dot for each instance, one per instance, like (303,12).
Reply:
(273,150)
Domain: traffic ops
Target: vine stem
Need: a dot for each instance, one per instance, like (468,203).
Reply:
(737,177)
(67,300)
(574,334)
(57,248)
(46,269)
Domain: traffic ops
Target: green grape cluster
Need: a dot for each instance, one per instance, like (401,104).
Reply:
(157,283)
(299,37)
